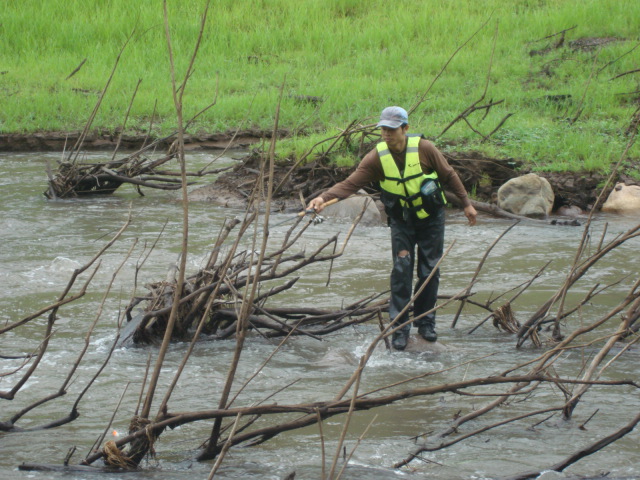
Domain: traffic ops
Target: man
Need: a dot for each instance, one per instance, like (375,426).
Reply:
(411,172)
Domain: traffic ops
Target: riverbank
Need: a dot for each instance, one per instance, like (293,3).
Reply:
(575,192)
(61,141)
(481,175)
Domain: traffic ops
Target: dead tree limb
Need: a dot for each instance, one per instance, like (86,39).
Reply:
(531,324)
(491,209)
(442,445)
(76,70)
(10,394)
(75,151)
(444,67)
(62,390)
(634,299)
(579,108)
(477,272)
(608,64)
(140,448)
(562,34)
(521,288)
(583,452)
(212,448)
(328,409)
(635,70)
(576,271)
(474,107)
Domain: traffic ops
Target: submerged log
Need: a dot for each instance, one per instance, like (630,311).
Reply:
(44,467)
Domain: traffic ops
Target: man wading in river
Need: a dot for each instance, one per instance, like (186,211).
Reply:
(411,172)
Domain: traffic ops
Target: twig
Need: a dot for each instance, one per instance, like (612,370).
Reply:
(477,272)
(474,106)
(635,70)
(99,440)
(247,301)
(583,424)
(443,445)
(225,448)
(54,309)
(360,438)
(584,452)
(76,148)
(126,117)
(444,67)
(177,98)
(322,446)
(347,420)
(76,70)
(618,58)
(586,89)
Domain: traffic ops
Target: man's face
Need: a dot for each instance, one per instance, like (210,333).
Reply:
(395,137)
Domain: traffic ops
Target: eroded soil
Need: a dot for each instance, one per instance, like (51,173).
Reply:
(481,176)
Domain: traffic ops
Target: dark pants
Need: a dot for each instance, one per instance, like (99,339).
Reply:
(428,236)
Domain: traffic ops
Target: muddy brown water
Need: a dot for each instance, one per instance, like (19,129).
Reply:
(42,242)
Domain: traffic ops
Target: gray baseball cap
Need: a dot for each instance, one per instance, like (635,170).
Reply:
(393,117)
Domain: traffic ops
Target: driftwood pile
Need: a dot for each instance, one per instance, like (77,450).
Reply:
(210,298)
(142,168)
(74,178)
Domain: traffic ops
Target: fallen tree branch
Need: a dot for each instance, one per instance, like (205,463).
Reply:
(580,454)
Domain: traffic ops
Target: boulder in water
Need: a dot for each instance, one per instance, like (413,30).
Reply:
(529,195)
(623,199)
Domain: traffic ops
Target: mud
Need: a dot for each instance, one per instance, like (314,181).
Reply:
(574,192)
(292,187)
(60,141)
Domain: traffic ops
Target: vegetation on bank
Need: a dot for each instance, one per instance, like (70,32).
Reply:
(561,75)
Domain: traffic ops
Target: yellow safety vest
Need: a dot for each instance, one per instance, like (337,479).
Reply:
(405,186)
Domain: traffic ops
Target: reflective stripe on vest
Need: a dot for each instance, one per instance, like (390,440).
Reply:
(405,186)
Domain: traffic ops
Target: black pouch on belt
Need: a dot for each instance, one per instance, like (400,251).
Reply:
(432,197)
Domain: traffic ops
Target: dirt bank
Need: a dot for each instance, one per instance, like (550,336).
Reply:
(480,175)
(59,141)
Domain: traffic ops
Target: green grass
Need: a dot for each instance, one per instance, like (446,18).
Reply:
(359,56)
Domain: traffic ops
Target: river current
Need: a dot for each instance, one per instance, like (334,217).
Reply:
(42,242)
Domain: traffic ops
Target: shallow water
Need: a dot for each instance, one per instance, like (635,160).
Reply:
(42,242)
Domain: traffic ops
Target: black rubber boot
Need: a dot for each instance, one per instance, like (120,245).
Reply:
(400,339)
(428,332)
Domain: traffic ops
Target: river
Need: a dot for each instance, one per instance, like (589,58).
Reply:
(42,242)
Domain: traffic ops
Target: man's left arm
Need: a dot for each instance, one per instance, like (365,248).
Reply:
(432,159)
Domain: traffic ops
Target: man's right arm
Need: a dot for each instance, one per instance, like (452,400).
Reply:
(368,170)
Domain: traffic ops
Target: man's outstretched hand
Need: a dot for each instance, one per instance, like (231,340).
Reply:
(470,213)
(317,204)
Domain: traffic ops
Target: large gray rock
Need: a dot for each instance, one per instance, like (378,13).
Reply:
(349,208)
(346,210)
(623,199)
(337,358)
(340,357)
(418,344)
(529,195)
(572,211)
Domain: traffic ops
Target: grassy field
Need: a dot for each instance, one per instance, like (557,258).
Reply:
(570,97)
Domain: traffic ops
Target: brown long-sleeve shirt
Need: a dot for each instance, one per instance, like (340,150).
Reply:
(370,170)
